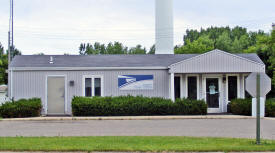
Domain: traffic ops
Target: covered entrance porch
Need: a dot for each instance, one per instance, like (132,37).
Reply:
(216,77)
(217,90)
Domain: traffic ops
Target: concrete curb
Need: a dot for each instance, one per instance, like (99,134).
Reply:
(270,118)
(123,152)
(131,118)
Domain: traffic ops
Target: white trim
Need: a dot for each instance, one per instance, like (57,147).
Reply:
(221,103)
(65,98)
(210,52)
(172,89)
(186,87)
(238,86)
(86,68)
(93,84)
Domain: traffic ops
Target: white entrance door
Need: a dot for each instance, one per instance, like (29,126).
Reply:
(212,90)
(56,95)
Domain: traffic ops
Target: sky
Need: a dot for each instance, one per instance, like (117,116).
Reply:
(59,26)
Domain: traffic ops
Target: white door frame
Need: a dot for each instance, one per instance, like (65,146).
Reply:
(46,93)
(219,77)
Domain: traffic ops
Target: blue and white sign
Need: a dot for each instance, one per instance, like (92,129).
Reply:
(135,82)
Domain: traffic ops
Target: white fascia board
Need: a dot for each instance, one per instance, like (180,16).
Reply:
(84,68)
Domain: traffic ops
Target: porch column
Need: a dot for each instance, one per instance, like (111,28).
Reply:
(172,86)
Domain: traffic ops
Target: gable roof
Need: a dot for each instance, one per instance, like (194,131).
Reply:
(108,61)
(254,58)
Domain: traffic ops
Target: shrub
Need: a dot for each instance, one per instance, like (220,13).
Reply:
(21,108)
(190,107)
(270,108)
(135,106)
(244,107)
(229,108)
(241,106)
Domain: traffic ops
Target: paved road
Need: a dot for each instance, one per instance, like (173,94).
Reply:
(243,128)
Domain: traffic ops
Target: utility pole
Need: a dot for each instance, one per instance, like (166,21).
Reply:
(11,42)
(12,22)
(9,53)
(258,119)
(10,46)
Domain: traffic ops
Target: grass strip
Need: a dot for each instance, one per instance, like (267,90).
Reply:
(132,143)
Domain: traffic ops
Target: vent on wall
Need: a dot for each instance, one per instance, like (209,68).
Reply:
(51,60)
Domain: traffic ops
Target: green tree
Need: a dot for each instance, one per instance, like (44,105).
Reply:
(233,40)
(137,50)
(4,63)
(224,42)
(14,52)
(201,45)
(110,48)
(1,54)
(152,50)
(265,48)
(82,49)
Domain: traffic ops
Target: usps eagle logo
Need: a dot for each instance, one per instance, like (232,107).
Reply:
(135,82)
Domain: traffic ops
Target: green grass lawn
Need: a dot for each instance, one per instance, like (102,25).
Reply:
(132,144)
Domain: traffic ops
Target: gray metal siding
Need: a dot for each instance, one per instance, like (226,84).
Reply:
(28,84)
(216,62)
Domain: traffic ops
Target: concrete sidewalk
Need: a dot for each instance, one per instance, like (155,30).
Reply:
(132,118)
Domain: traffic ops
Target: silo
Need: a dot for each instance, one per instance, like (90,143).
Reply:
(164,27)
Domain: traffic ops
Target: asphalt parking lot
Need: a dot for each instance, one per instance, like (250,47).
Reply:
(239,128)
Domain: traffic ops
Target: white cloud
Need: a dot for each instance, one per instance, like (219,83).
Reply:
(59,26)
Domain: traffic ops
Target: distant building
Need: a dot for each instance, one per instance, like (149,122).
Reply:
(3,93)
(273,26)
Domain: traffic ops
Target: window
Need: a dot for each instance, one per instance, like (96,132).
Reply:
(232,87)
(92,86)
(177,87)
(192,87)
(97,86)
(88,87)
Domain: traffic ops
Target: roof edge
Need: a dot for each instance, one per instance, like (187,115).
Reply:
(83,68)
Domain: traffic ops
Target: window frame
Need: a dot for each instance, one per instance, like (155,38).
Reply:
(198,81)
(93,77)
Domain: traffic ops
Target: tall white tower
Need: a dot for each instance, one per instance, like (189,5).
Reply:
(164,27)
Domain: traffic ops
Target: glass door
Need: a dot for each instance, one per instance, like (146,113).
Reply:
(212,92)
(212,89)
